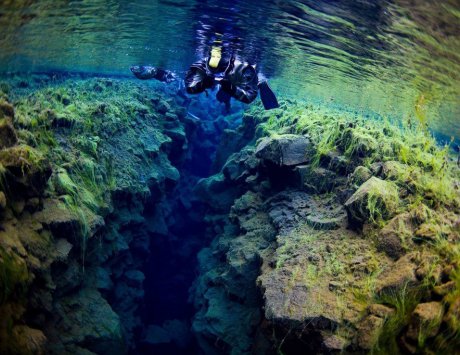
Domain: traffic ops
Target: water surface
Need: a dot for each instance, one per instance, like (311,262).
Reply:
(396,58)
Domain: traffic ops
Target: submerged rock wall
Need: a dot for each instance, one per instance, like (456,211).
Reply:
(326,233)
(84,166)
(332,234)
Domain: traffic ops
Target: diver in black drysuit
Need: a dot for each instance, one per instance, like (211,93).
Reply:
(233,78)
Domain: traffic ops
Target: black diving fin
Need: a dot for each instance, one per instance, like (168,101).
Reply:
(267,96)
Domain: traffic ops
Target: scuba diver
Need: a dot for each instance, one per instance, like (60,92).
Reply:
(234,79)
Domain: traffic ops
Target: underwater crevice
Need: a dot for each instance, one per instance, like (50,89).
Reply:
(178,233)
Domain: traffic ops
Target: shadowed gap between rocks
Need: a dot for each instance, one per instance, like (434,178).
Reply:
(179,235)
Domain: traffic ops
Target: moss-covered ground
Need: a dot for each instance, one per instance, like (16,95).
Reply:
(79,158)
(417,207)
(353,243)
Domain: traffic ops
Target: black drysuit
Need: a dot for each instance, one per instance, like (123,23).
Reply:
(236,79)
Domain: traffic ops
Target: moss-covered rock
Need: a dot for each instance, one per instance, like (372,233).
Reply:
(6,109)
(395,237)
(26,340)
(360,175)
(89,321)
(8,136)
(26,170)
(375,199)
(109,152)
(361,285)
(284,150)
(425,322)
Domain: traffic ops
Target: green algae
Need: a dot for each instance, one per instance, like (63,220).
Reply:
(13,275)
(403,301)
(86,170)
(64,123)
(423,178)
(102,147)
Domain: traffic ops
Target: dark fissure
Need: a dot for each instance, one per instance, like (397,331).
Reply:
(172,264)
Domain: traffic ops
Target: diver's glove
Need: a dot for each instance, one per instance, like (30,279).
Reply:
(208,81)
(144,72)
(227,86)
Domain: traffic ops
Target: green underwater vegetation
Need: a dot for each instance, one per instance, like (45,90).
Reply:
(327,228)
(70,151)
(409,193)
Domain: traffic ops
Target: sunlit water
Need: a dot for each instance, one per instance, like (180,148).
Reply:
(395,58)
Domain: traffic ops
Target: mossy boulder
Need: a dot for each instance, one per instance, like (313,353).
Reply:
(88,320)
(26,169)
(6,109)
(369,330)
(317,179)
(360,175)
(375,199)
(284,150)
(359,142)
(217,192)
(398,276)
(28,340)
(425,321)
(396,236)
(13,271)
(58,218)
(8,136)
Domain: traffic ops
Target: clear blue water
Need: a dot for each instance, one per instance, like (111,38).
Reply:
(382,59)
(372,56)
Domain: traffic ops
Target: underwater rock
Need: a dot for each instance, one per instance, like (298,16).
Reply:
(392,170)
(327,222)
(444,289)
(429,232)
(6,110)
(2,200)
(240,165)
(63,121)
(8,136)
(99,278)
(400,274)
(333,343)
(88,320)
(358,142)
(61,221)
(395,236)
(360,176)
(284,150)
(369,330)
(225,297)
(338,163)
(318,278)
(27,171)
(232,141)
(63,248)
(217,192)
(32,204)
(374,199)
(318,180)
(425,321)
(174,331)
(453,315)
(28,340)
(380,310)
